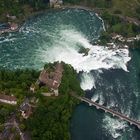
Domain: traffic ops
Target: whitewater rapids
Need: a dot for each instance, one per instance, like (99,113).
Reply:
(66,48)
(60,35)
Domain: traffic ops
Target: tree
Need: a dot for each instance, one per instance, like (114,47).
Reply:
(1,128)
(51,119)
(22,127)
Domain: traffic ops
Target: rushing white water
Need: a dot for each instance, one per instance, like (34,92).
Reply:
(102,21)
(95,97)
(51,38)
(59,36)
(66,48)
(87,81)
(113,126)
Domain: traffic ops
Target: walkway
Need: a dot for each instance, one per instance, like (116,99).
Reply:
(107,110)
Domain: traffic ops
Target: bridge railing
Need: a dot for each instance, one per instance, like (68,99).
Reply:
(114,113)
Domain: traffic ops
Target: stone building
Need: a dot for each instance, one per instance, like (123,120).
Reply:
(26,109)
(52,79)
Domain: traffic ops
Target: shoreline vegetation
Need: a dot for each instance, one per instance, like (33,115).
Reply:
(50,118)
(38,116)
(120,27)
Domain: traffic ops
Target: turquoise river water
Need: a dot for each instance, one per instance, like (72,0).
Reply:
(110,76)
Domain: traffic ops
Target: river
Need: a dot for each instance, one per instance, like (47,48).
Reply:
(110,76)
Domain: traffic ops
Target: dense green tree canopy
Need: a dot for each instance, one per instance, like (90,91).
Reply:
(51,119)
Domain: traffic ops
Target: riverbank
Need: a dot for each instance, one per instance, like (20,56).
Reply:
(107,37)
(102,13)
(79,7)
(37,44)
(52,114)
(108,34)
(10,27)
(15,24)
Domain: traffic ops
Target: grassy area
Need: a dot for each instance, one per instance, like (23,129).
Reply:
(125,7)
(21,9)
(114,13)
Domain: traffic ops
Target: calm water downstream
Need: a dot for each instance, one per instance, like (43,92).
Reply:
(108,75)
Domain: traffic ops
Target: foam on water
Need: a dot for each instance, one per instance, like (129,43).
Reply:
(113,126)
(7,40)
(95,97)
(98,97)
(62,42)
(102,21)
(66,48)
(87,81)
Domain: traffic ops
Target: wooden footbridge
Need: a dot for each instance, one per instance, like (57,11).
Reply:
(107,110)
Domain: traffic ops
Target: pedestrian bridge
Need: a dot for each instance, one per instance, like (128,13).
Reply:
(107,110)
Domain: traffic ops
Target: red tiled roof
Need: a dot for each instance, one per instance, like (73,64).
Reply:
(52,79)
(7,97)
